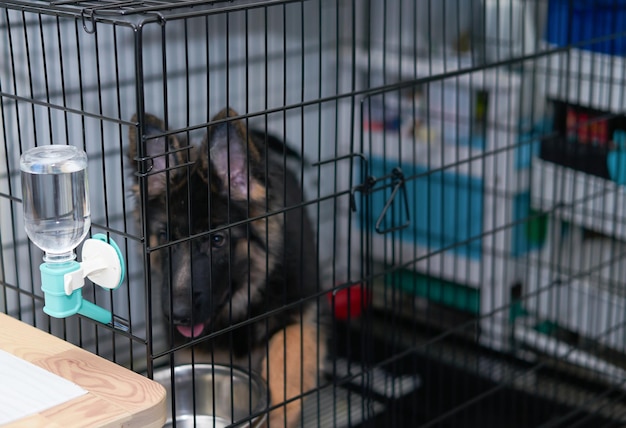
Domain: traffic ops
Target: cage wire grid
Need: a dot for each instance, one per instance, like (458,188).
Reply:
(460,165)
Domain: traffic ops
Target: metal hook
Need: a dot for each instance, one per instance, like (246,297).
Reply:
(88,13)
(398,182)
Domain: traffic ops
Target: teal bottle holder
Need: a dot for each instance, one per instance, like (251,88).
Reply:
(62,283)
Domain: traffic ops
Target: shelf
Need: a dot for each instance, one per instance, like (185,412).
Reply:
(435,154)
(408,66)
(580,305)
(583,199)
(591,79)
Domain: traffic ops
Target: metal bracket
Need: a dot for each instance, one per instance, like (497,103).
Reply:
(397,181)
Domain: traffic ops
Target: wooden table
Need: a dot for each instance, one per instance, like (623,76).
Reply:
(115,395)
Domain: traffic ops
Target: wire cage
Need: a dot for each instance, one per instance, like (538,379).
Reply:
(377,213)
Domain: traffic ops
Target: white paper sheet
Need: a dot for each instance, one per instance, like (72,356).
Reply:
(26,389)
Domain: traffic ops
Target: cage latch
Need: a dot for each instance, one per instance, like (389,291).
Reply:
(395,180)
(89,22)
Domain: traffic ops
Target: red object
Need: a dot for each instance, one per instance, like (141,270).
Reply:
(586,128)
(349,302)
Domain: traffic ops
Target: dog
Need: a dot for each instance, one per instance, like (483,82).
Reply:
(235,250)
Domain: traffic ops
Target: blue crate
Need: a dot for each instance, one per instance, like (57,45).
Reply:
(580,22)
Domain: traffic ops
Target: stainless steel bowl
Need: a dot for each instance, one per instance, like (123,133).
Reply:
(223,395)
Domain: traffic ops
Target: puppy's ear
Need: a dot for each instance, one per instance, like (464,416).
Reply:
(161,154)
(234,160)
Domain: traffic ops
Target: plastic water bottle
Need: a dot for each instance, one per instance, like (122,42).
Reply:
(55,199)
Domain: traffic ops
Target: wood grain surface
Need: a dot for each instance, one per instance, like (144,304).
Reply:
(116,396)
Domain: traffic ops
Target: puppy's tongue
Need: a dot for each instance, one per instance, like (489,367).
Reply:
(187,331)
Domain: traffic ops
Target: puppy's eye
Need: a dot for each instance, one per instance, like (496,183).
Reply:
(162,235)
(218,240)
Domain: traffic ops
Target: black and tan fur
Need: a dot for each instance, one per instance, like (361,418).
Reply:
(227,256)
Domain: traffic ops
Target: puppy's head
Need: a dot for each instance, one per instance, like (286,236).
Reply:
(197,200)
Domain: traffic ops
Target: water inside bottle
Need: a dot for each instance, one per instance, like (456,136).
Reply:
(55,199)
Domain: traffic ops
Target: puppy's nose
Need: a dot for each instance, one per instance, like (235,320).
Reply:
(184,310)
(181,312)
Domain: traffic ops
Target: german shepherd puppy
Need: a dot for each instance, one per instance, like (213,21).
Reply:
(237,252)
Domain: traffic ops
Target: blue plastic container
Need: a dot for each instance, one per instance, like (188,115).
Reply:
(596,25)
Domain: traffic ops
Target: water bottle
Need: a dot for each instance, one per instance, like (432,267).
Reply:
(55,199)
